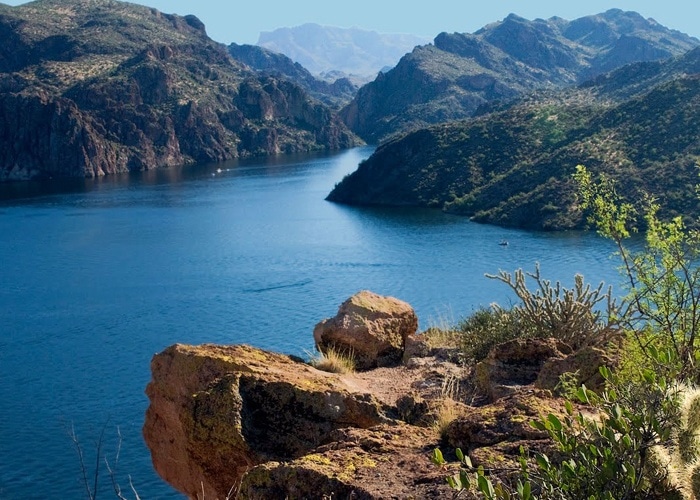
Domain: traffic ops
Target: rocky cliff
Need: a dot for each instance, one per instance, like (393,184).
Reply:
(461,72)
(96,87)
(239,422)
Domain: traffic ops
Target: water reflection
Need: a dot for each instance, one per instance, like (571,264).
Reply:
(170,177)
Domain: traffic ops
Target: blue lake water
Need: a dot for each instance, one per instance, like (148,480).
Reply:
(97,276)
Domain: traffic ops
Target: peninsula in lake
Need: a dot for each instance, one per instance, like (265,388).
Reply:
(511,163)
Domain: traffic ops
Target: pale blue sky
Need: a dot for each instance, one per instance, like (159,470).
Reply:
(242,21)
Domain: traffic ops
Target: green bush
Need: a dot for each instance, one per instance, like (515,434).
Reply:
(663,278)
(634,441)
(572,315)
(478,333)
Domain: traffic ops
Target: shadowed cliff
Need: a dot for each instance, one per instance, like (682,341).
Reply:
(89,88)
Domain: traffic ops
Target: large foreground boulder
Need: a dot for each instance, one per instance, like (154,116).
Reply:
(370,327)
(218,411)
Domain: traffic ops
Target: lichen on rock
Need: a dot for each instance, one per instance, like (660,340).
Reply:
(217,411)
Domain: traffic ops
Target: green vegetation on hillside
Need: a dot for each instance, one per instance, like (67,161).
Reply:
(513,167)
(461,73)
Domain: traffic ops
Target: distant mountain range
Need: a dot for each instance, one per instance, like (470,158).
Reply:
(326,50)
(512,166)
(266,62)
(461,73)
(91,87)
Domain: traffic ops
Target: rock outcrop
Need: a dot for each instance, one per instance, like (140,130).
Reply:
(540,364)
(89,88)
(493,434)
(217,412)
(371,328)
(236,420)
(516,363)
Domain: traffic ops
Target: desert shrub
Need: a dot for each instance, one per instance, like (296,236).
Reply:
(485,328)
(611,456)
(643,440)
(572,315)
(662,277)
(579,315)
(636,440)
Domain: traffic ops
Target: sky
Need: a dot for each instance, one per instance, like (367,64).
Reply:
(242,22)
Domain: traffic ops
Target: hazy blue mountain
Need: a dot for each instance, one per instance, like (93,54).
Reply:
(323,49)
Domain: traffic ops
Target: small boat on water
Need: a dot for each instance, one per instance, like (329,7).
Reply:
(503,243)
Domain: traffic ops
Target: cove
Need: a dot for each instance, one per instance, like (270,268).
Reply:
(97,276)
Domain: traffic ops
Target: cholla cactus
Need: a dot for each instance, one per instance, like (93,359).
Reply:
(683,468)
(695,481)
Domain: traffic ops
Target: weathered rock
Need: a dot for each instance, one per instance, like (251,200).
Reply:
(416,346)
(516,363)
(380,463)
(583,364)
(493,434)
(414,410)
(371,327)
(504,421)
(217,412)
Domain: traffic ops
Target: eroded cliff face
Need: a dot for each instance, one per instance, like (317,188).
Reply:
(94,88)
(219,413)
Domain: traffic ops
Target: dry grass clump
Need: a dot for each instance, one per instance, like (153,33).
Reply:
(446,408)
(333,361)
(442,337)
(441,332)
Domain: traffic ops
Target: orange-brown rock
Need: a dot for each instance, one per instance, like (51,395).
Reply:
(493,434)
(516,363)
(235,419)
(583,365)
(218,411)
(389,461)
(370,327)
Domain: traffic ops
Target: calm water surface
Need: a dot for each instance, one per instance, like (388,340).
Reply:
(96,277)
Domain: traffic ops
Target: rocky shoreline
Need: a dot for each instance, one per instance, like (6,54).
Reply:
(241,422)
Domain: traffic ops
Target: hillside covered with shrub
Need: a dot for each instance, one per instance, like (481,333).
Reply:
(513,167)
(459,73)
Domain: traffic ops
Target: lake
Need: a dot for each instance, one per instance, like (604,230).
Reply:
(96,276)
